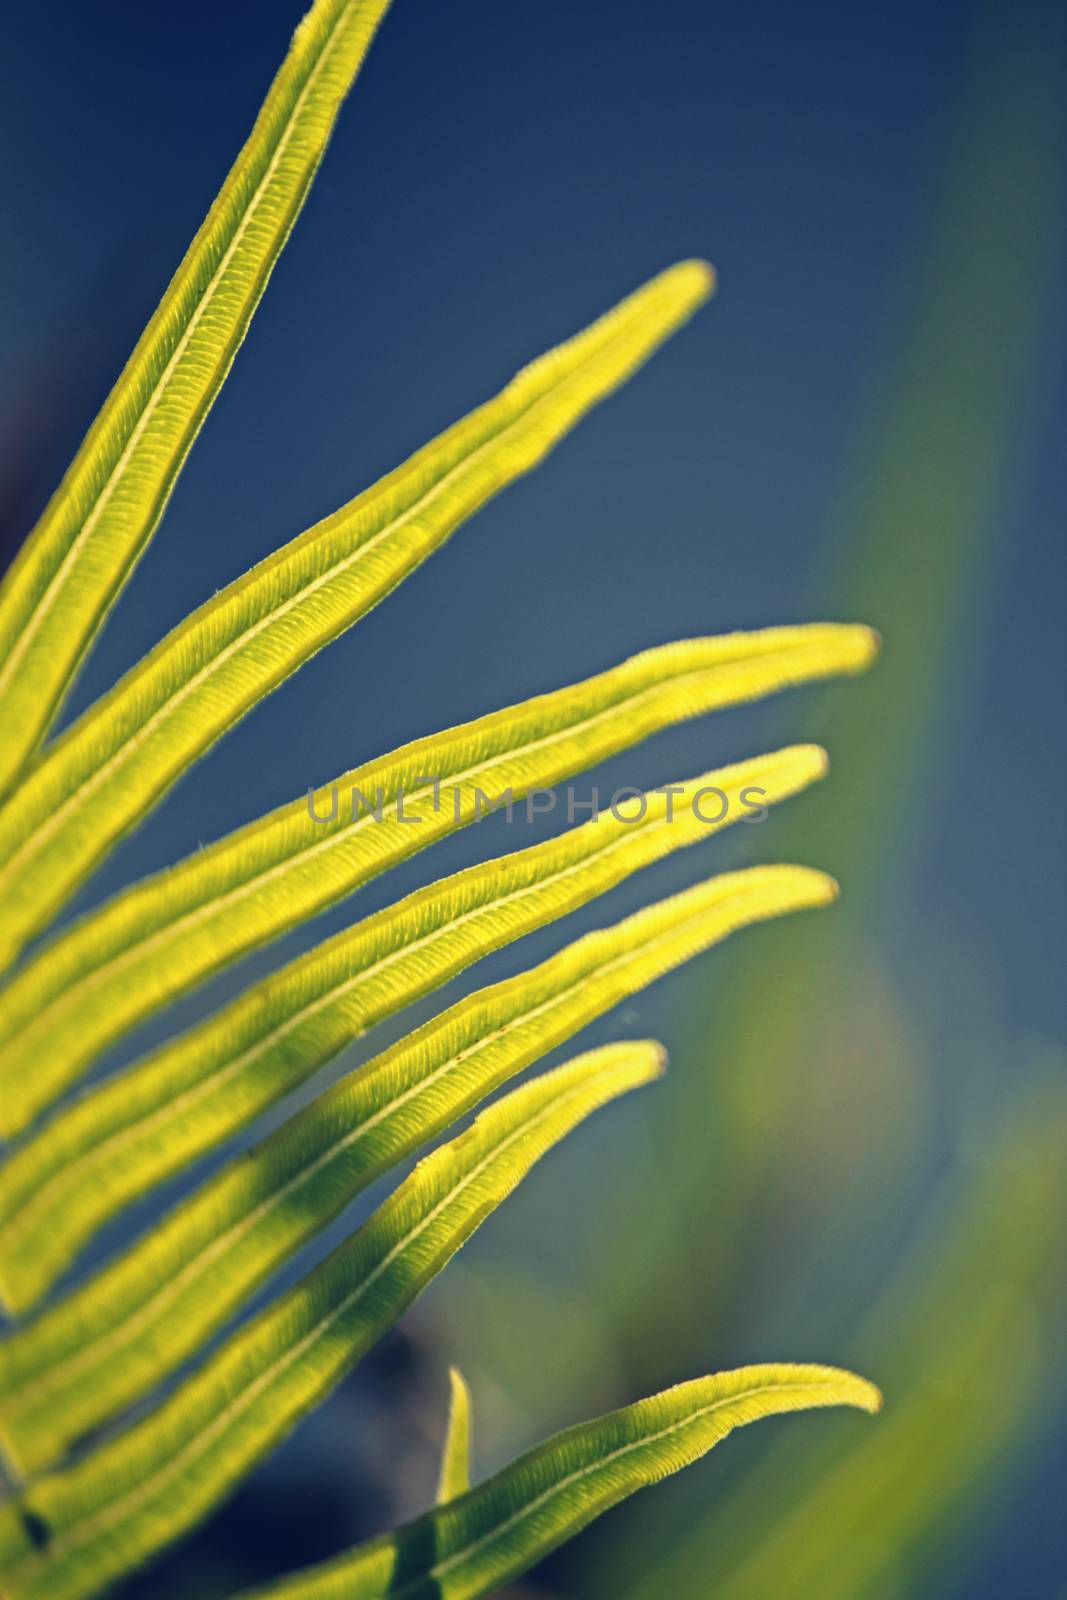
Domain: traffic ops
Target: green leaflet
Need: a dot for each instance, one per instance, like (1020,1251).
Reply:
(169,932)
(133,1496)
(498,1530)
(110,1343)
(111,1340)
(455,1475)
(97,524)
(146,1123)
(122,756)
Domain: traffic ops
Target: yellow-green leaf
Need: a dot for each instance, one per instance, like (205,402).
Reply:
(471,1547)
(122,756)
(166,934)
(455,1475)
(144,1124)
(103,514)
(107,1513)
(119,1334)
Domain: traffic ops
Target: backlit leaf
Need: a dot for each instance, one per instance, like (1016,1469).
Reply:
(166,934)
(144,1124)
(111,1340)
(81,552)
(104,1515)
(472,1546)
(119,759)
(455,1475)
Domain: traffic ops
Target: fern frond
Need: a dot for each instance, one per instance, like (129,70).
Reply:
(166,934)
(81,552)
(106,1514)
(146,1123)
(122,756)
(114,1338)
(455,1475)
(471,1547)
(146,1349)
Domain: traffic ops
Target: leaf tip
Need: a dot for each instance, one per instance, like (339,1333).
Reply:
(815,759)
(868,645)
(456,1380)
(860,1392)
(654,1056)
(703,274)
(628,1064)
(454,1476)
(850,1389)
(805,886)
(696,280)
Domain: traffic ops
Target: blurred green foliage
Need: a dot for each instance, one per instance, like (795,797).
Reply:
(878,1168)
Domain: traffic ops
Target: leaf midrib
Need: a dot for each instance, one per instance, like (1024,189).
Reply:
(148,1311)
(76,992)
(125,1505)
(441,1568)
(38,837)
(215,1080)
(45,601)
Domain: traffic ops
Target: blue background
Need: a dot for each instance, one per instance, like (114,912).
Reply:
(501,174)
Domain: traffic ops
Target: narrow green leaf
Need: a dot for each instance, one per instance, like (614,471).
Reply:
(105,511)
(168,933)
(129,1498)
(144,1124)
(472,1546)
(122,756)
(115,1337)
(455,1475)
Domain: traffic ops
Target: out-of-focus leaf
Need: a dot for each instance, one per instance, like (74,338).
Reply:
(114,1338)
(455,1475)
(76,1530)
(965,1337)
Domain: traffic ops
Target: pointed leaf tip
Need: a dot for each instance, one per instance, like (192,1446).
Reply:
(497,1531)
(112,766)
(870,643)
(112,1509)
(454,1477)
(817,759)
(78,557)
(145,946)
(698,275)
